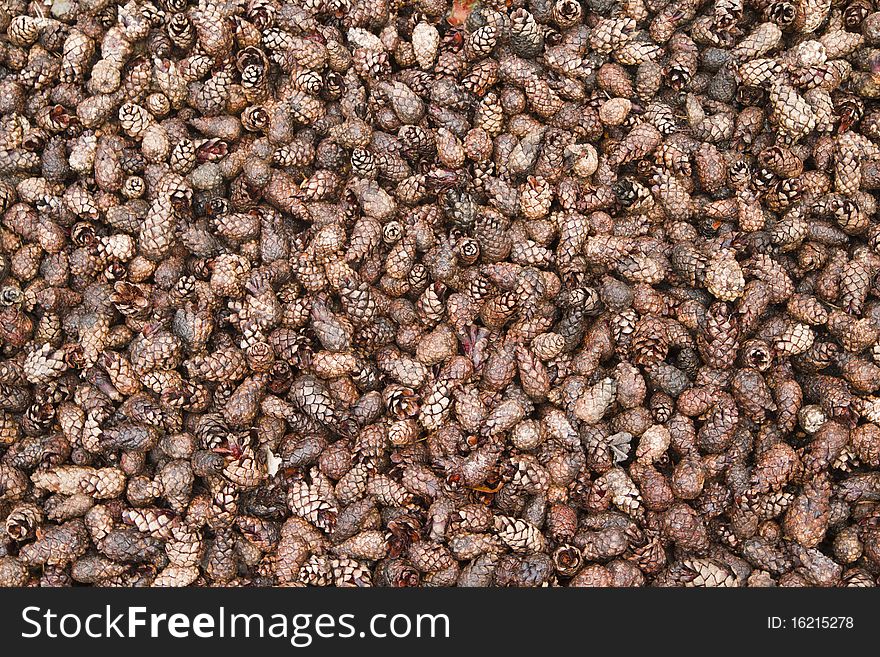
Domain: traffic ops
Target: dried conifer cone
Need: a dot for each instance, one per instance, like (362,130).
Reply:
(533,293)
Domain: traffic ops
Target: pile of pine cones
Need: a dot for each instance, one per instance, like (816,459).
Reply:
(434,293)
